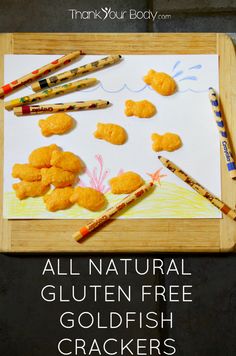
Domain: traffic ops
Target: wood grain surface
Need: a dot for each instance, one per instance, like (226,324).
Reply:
(139,235)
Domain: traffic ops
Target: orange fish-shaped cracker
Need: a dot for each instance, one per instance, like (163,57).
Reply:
(56,124)
(57,177)
(58,199)
(161,82)
(30,189)
(88,198)
(26,172)
(112,133)
(167,142)
(142,109)
(41,157)
(67,161)
(126,183)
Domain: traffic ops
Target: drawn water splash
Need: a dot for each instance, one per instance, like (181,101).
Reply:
(188,78)
(157,176)
(98,176)
(185,73)
(178,74)
(176,65)
(198,66)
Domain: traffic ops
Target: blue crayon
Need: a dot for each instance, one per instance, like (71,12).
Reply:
(224,139)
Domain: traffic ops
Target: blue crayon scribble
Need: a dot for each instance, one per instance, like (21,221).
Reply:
(178,74)
(198,66)
(125,86)
(188,78)
(175,65)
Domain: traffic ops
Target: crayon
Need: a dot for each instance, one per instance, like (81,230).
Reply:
(60,107)
(85,230)
(50,93)
(38,73)
(225,143)
(75,72)
(198,188)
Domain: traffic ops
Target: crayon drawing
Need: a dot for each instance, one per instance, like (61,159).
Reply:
(187,113)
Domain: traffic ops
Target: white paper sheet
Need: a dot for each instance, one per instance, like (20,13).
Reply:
(187,113)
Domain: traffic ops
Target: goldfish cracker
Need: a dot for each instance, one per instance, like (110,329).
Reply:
(58,199)
(142,109)
(56,124)
(67,161)
(41,157)
(30,189)
(161,82)
(167,142)
(58,177)
(88,198)
(26,172)
(126,183)
(112,133)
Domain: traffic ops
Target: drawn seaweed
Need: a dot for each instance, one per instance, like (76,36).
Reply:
(98,176)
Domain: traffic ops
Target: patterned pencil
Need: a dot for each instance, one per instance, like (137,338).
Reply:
(75,72)
(198,188)
(225,144)
(51,108)
(38,73)
(85,230)
(50,93)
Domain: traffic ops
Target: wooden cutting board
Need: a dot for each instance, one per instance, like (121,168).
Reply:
(143,235)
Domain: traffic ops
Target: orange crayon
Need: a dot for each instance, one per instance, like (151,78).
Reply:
(85,230)
(38,73)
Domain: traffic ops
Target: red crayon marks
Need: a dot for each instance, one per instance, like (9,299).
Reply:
(46,71)
(84,231)
(120,207)
(35,71)
(225,209)
(26,110)
(7,89)
(55,62)
(67,61)
(138,194)
(14,82)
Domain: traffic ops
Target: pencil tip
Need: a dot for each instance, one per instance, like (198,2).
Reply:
(159,157)
(120,56)
(108,102)
(210,88)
